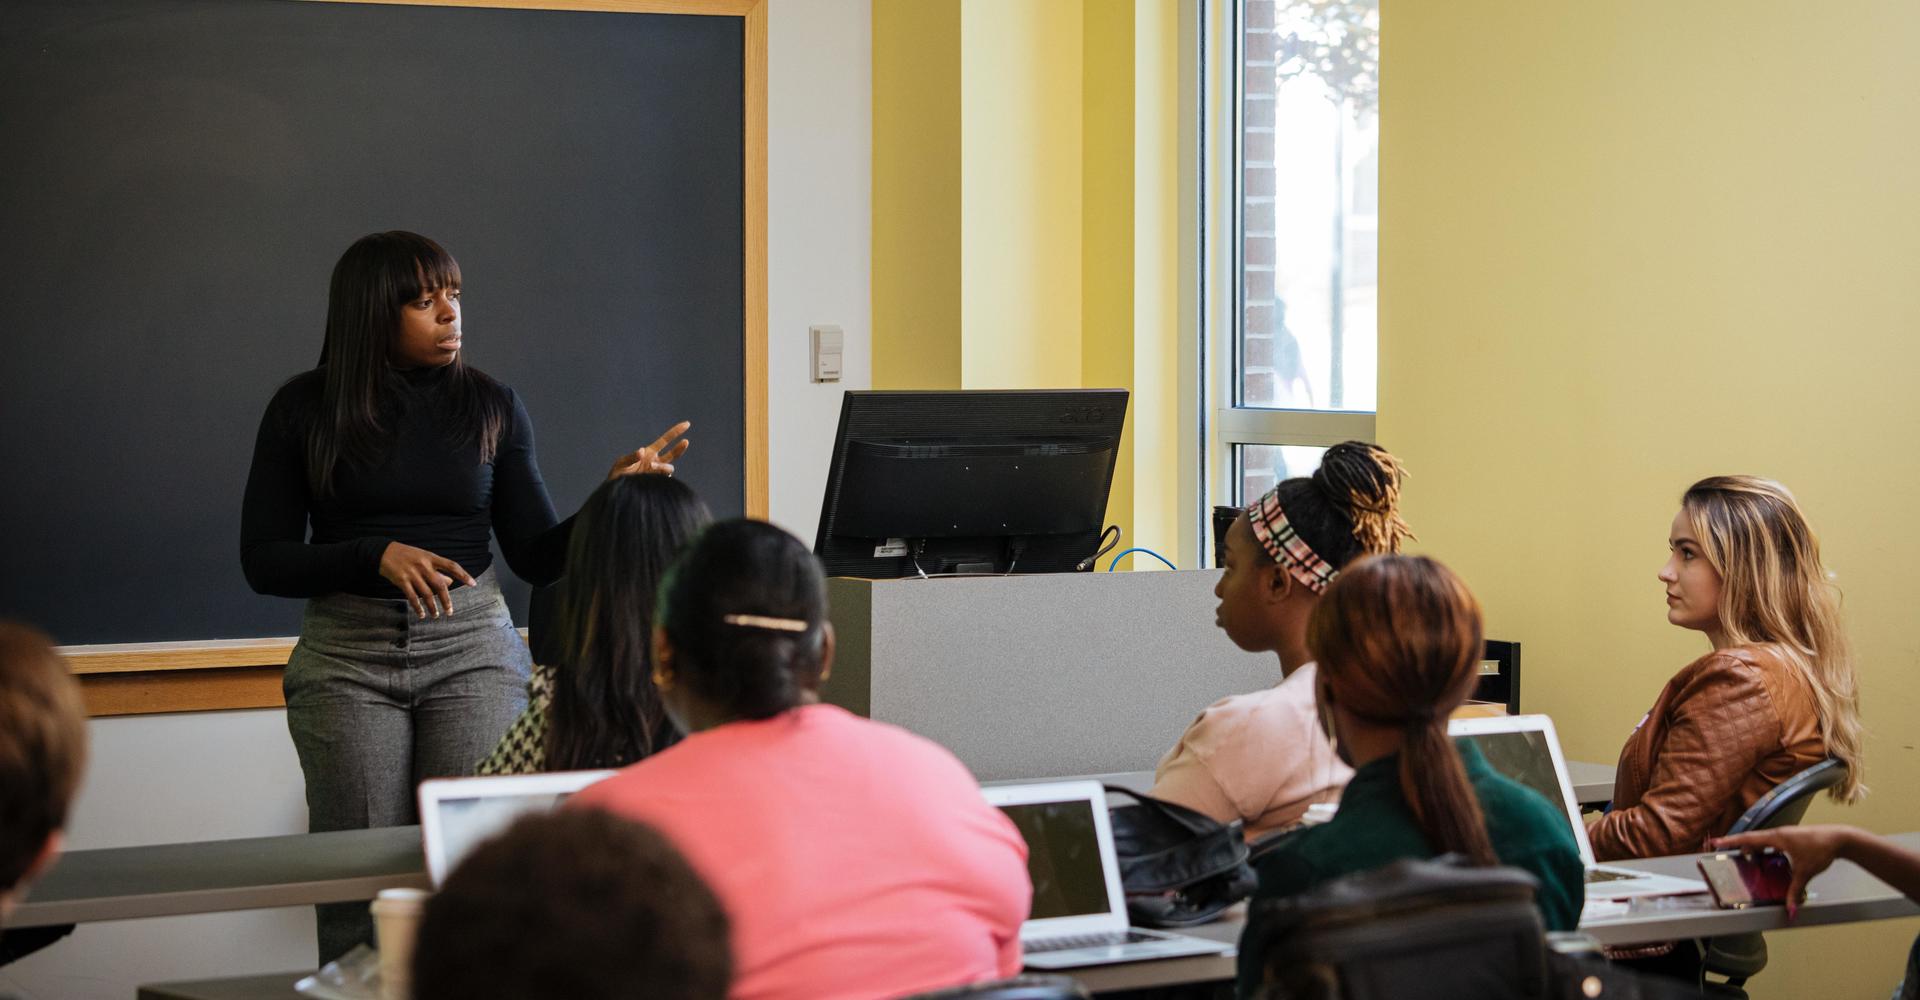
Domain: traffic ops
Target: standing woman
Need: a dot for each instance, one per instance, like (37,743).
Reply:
(405,462)
(1775,695)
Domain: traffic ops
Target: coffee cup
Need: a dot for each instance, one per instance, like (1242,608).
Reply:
(396,919)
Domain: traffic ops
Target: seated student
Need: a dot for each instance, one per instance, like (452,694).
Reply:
(43,750)
(574,905)
(1398,641)
(855,859)
(1775,696)
(1263,758)
(596,706)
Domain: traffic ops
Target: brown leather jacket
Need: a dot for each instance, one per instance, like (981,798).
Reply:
(1724,731)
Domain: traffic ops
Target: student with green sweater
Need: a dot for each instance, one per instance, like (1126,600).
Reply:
(1398,642)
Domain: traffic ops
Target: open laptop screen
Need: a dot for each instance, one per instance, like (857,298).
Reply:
(1063,858)
(464,823)
(1524,757)
(456,814)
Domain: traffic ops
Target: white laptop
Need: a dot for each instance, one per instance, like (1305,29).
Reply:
(456,814)
(1526,749)
(1079,914)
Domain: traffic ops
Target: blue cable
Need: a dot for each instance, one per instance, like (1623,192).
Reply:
(1156,555)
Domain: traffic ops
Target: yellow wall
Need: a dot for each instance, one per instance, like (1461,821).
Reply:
(1629,244)
(1020,191)
(1155,419)
(1107,230)
(916,194)
(1052,259)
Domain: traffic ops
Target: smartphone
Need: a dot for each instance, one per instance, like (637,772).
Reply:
(1740,879)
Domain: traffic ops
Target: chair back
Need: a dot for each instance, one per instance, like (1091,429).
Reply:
(1439,930)
(1018,988)
(1500,675)
(1740,957)
(1788,802)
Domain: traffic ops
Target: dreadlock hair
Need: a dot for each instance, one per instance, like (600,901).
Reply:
(1398,641)
(1350,506)
(1774,593)
(371,283)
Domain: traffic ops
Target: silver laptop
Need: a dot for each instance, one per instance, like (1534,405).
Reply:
(456,814)
(1525,748)
(1079,914)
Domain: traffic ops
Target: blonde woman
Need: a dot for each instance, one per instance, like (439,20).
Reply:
(1775,695)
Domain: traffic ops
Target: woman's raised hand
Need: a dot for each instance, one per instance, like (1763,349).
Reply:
(424,577)
(657,457)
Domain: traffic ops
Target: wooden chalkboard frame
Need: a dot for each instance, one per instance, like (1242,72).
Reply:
(151,677)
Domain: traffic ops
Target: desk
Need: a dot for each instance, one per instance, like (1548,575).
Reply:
(278,986)
(1592,783)
(1843,894)
(170,879)
(123,883)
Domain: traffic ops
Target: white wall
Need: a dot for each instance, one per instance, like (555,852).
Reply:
(819,197)
(169,778)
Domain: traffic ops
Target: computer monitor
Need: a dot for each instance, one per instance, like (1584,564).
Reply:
(969,482)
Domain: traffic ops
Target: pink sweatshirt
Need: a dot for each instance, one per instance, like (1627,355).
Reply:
(1259,757)
(855,859)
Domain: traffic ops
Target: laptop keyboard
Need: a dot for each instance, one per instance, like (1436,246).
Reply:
(1597,875)
(1106,940)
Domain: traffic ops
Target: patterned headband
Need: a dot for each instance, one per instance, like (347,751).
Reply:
(1285,544)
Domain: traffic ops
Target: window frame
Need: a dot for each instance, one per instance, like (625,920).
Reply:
(1226,424)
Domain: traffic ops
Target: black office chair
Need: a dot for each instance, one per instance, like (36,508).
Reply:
(1788,802)
(1739,957)
(1500,675)
(1018,988)
(1440,929)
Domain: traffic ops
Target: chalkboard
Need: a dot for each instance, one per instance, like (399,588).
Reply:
(179,177)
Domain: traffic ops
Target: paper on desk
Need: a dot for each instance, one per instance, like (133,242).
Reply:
(1603,909)
(353,976)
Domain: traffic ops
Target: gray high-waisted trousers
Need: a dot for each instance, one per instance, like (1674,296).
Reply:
(379,700)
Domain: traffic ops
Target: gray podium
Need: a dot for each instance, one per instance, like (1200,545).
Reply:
(1037,676)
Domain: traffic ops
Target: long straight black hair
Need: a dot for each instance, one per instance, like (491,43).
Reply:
(605,711)
(373,281)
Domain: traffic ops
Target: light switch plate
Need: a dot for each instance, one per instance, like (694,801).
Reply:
(826,348)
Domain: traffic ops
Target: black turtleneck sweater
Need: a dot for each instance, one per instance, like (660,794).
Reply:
(427,490)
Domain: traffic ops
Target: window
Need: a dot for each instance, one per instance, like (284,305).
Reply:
(1297,370)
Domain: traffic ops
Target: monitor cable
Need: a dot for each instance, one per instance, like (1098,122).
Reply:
(1123,555)
(919,546)
(1016,546)
(1105,546)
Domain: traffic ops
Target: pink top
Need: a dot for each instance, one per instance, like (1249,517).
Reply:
(855,859)
(1261,758)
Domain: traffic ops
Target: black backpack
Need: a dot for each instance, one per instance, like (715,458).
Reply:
(1178,867)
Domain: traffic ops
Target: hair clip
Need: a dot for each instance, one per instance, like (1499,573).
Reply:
(762,621)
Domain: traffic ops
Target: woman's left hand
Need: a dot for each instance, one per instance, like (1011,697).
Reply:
(657,457)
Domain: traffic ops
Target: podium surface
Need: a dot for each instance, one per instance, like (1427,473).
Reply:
(1033,676)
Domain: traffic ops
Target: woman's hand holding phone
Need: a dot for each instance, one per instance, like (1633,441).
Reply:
(1810,850)
(1741,879)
